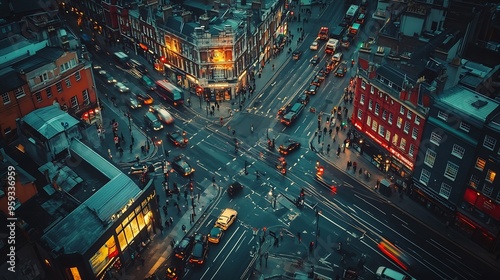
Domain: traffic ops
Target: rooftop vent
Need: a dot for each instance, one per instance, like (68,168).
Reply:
(478,104)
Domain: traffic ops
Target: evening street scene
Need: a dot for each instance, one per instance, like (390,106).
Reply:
(250,139)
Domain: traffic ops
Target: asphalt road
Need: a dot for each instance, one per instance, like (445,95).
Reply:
(353,215)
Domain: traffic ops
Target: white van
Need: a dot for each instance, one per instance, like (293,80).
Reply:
(385,273)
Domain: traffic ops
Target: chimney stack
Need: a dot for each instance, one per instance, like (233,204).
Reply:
(256,5)
(186,16)
(167,12)
(204,20)
(216,5)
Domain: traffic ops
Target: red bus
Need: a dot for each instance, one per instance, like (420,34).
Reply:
(169,92)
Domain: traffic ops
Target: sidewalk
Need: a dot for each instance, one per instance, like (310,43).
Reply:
(159,250)
(402,201)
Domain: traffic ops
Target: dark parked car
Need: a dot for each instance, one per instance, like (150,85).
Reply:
(288,147)
(215,234)
(316,81)
(234,188)
(312,89)
(144,98)
(177,139)
(296,55)
(180,165)
(200,249)
(183,249)
(314,60)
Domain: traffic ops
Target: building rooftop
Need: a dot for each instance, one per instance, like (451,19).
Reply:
(40,58)
(111,191)
(464,100)
(6,161)
(48,121)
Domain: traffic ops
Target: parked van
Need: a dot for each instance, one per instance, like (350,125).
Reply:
(152,121)
(148,82)
(385,273)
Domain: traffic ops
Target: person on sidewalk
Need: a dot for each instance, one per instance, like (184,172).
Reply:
(338,151)
(167,224)
(171,220)
(354,166)
(184,228)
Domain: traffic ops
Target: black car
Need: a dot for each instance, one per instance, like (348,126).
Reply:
(177,139)
(234,188)
(183,249)
(304,99)
(321,75)
(200,249)
(288,147)
(296,55)
(316,81)
(180,165)
(312,89)
(314,60)
(342,70)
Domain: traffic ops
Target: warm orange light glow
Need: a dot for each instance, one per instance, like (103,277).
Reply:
(392,252)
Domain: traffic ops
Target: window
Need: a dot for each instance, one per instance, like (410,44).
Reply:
(411,150)
(44,77)
(381,130)
(402,110)
(59,87)
(384,115)
(445,190)
(417,120)
(19,92)
(77,76)
(387,135)
(424,177)
(474,181)
(5,98)
(372,90)
(360,113)
(38,97)
(435,138)
(414,133)
(487,189)
(374,125)
(400,122)
(430,157)
(363,84)
(68,83)
(395,140)
(85,97)
(407,127)
(362,99)
(442,115)
(370,104)
(480,163)
(458,151)
(465,127)
(490,177)
(74,102)
(377,108)
(49,92)
(402,144)
(409,115)
(489,142)
(390,118)
(369,121)
(451,171)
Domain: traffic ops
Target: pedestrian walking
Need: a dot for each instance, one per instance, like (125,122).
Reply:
(166,202)
(325,130)
(360,171)
(172,243)
(184,228)
(171,220)
(130,147)
(338,151)
(165,211)
(161,229)
(198,197)
(251,128)
(354,166)
(328,149)
(281,235)
(330,131)
(167,224)
(179,209)
(186,194)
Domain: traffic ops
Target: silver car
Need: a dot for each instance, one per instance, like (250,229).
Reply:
(121,87)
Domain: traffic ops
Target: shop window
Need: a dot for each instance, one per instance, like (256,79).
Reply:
(435,138)
(490,177)
(474,181)
(122,241)
(451,171)
(458,151)
(430,158)
(489,142)
(425,176)
(445,190)
(480,163)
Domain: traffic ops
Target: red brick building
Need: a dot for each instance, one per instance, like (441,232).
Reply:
(390,109)
(49,76)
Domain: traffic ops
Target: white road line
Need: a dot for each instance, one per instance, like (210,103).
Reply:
(399,219)
(408,229)
(365,201)
(225,258)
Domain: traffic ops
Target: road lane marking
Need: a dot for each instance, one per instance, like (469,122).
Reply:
(365,201)
(225,257)
(226,244)
(399,219)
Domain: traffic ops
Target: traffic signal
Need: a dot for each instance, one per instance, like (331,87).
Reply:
(163,59)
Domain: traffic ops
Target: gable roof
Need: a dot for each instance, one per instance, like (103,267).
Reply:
(48,120)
